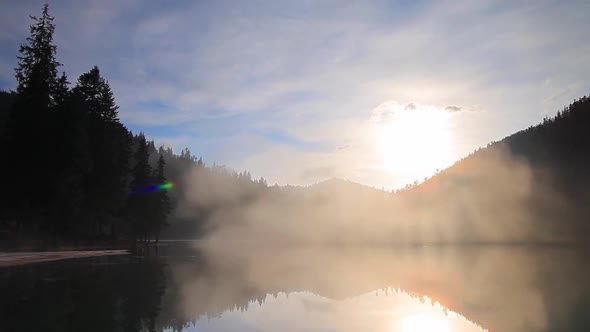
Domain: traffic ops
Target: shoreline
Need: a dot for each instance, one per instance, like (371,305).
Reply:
(8,259)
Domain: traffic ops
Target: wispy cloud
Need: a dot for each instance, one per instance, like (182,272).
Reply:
(558,95)
(318,173)
(217,72)
(410,106)
(455,108)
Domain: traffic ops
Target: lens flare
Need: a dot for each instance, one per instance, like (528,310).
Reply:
(154,187)
(166,186)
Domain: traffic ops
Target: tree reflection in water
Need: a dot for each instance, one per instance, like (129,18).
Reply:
(497,288)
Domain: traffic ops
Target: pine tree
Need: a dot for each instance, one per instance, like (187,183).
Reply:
(109,145)
(31,141)
(142,169)
(61,92)
(98,95)
(161,203)
(72,160)
(7,101)
(138,207)
(37,69)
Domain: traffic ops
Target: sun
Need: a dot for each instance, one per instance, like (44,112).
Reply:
(413,142)
(425,322)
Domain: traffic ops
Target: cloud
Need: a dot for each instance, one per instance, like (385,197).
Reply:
(387,111)
(455,108)
(318,173)
(410,106)
(314,69)
(283,137)
(558,95)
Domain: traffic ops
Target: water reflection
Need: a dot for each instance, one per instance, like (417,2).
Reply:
(501,288)
(105,294)
(468,288)
(384,310)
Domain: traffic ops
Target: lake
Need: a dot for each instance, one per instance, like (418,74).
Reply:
(402,289)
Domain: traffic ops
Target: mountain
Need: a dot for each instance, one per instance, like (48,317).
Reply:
(531,185)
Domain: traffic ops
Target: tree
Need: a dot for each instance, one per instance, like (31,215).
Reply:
(72,161)
(109,145)
(31,139)
(7,101)
(139,199)
(37,69)
(98,95)
(161,204)
(62,91)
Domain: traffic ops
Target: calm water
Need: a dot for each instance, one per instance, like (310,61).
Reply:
(469,288)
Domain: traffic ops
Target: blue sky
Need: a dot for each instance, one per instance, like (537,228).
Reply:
(299,91)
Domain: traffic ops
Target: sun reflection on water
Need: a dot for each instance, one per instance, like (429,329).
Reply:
(387,310)
(425,322)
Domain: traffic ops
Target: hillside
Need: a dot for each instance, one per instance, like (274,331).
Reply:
(533,183)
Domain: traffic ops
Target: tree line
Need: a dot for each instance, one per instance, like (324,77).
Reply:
(72,170)
(72,164)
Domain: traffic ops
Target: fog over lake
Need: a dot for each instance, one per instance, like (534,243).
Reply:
(450,288)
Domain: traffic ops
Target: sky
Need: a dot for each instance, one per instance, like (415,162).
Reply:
(377,92)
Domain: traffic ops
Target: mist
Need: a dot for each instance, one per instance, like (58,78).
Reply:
(489,238)
(497,288)
(489,197)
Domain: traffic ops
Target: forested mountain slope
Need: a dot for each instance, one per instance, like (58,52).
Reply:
(534,183)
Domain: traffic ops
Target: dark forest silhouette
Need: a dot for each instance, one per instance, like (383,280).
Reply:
(72,170)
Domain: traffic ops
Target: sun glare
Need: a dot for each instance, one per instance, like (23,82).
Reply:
(414,141)
(425,322)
